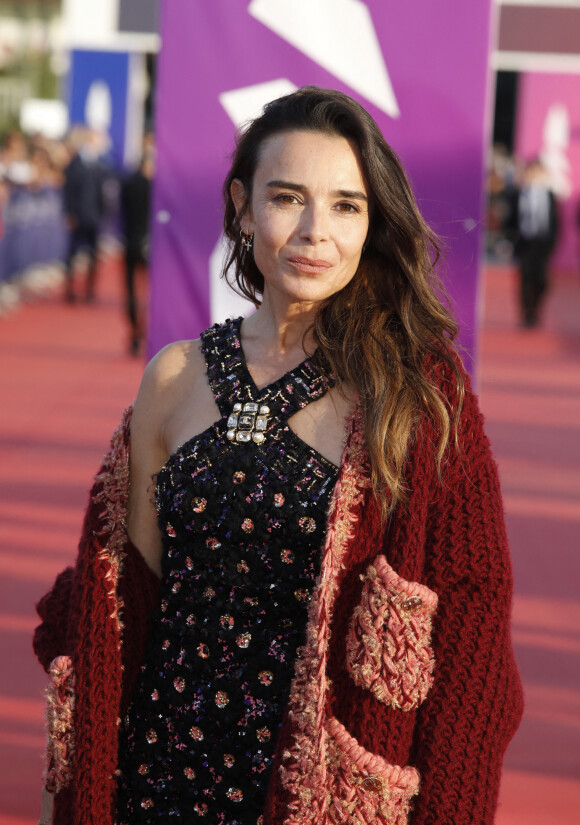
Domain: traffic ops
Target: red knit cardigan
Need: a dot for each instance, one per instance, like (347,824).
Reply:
(406,692)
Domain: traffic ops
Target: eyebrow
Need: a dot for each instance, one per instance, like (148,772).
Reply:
(298,187)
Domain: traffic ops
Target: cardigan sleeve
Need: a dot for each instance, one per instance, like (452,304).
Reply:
(50,637)
(475,703)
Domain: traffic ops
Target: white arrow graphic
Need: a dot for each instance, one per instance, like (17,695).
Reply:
(337,34)
(247,103)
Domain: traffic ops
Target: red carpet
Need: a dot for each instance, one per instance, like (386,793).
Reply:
(65,381)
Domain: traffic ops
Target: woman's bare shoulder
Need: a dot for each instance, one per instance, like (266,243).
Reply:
(169,374)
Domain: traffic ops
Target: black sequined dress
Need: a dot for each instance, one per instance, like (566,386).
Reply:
(242,508)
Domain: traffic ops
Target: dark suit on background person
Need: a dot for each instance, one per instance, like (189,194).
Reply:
(537,232)
(84,179)
(135,206)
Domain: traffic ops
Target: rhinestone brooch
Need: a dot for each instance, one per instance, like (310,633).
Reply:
(248,422)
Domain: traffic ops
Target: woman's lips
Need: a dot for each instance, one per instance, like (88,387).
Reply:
(309,264)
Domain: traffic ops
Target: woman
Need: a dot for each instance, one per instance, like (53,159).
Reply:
(315,625)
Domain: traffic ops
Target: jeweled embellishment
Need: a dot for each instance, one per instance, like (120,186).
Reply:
(189,563)
(412,604)
(202,650)
(235,794)
(243,566)
(155,695)
(278,499)
(190,620)
(229,760)
(227,621)
(179,684)
(151,736)
(147,803)
(238,477)
(165,644)
(263,734)
(243,640)
(170,530)
(143,769)
(189,773)
(307,524)
(266,677)
(287,556)
(196,733)
(176,587)
(247,525)
(221,699)
(248,422)
(200,808)
(301,595)
(198,504)
(209,593)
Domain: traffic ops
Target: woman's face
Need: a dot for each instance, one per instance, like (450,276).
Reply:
(309,214)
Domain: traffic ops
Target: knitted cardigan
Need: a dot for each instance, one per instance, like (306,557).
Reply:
(405,692)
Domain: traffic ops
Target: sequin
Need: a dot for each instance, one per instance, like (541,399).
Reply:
(198,504)
(247,525)
(202,650)
(151,736)
(196,733)
(307,524)
(287,556)
(227,621)
(170,530)
(243,640)
(238,477)
(212,543)
(208,593)
(189,563)
(266,677)
(302,595)
(176,587)
(235,794)
(189,773)
(179,684)
(155,695)
(229,760)
(243,566)
(278,500)
(200,808)
(166,644)
(221,698)
(147,802)
(143,769)
(263,734)
(190,621)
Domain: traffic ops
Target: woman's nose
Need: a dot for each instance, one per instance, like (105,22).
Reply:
(314,224)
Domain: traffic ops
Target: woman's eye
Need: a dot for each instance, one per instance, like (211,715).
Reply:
(347,207)
(285,198)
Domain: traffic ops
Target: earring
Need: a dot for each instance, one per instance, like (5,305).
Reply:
(247,240)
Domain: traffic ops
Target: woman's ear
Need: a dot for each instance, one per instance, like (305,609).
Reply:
(242,207)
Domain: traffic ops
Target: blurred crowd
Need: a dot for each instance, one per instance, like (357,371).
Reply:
(62,202)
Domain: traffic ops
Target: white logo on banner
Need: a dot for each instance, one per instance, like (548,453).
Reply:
(340,36)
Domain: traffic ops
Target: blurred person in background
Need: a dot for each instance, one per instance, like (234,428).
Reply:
(84,205)
(135,210)
(536,224)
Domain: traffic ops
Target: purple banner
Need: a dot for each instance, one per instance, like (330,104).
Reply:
(420,68)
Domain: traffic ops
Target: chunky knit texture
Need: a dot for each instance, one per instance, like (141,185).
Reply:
(449,538)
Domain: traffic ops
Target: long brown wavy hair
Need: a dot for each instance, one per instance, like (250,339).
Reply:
(383,332)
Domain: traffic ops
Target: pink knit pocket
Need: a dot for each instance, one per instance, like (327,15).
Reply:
(388,647)
(364,788)
(59,723)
